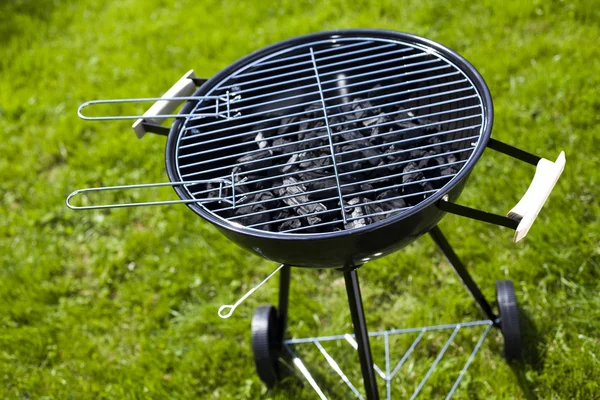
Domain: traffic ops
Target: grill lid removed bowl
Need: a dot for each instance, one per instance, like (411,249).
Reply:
(331,132)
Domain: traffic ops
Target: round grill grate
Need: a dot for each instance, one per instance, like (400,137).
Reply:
(332,135)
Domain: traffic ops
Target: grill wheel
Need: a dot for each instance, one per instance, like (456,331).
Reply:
(266,344)
(509,319)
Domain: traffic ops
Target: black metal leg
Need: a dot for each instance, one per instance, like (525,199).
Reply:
(362,335)
(461,271)
(284,295)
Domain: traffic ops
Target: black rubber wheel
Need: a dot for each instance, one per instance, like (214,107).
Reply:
(509,319)
(266,344)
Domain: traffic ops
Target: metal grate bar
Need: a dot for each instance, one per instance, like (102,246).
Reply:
(239,135)
(362,159)
(349,141)
(263,112)
(404,196)
(394,186)
(296,88)
(309,130)
(351,77)
(344,132)
(345,54)
(326,119)
(407,150)
(302,228)
(469,360)
(407,353)
(339,63)
(337,369)
(328,50)
(308,103)
(300,365)
(436,362)
(284,99)
(449,176)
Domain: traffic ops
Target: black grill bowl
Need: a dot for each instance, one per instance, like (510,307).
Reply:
(359,245)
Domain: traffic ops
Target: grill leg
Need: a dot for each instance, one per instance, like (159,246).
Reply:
(441,242)
(284,295)
(362,335)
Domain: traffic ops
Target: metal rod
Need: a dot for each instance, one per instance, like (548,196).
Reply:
(348,131)
(227,167)
(395,102)
(300,365)
(297,64)
(323,51)
(388,381)
(215,114)
(479,215)
(326,119)
(284,295)
(408,353)
(441,242)
(361,332)
(513,151)
(271,94)
(148,203)
(272,77)
(263,87)
(335,366)
(436,362)
(301,113)
(226,310)
(393,331)
(466,366)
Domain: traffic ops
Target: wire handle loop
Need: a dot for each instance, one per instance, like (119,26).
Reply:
(222,107)
(219,198)
(232,307)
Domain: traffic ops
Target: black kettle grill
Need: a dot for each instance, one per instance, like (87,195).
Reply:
(331,150)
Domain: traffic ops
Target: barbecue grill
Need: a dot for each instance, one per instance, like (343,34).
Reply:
(328,151)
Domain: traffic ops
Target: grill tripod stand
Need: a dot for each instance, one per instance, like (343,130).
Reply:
(269,325)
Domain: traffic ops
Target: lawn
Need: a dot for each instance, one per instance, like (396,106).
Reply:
(123,303)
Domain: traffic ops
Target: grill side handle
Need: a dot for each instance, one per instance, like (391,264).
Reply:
(523,214)
(164,106)
(544,180)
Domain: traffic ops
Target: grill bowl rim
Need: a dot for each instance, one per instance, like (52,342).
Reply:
(465,66)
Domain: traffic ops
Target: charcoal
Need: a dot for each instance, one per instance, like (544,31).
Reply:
(298,199)
(373,140)
(315,110)
(283,146)
(255,160)
(393,204)
(417,176)
(374,211)
(355,214)
(248,212)
(289,224)
(260,140)
(288,125)
(290,164)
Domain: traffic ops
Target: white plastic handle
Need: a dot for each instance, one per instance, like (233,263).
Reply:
(544,180)
(182,88)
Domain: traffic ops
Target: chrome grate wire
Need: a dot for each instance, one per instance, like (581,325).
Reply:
(429,110)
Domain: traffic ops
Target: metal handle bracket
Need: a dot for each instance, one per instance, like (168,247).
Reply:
(223,183)
(164,106)
(183,87)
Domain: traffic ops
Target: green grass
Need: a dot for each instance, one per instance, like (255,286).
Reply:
(122,303)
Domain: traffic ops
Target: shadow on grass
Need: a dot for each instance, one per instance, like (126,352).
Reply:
(531,357)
